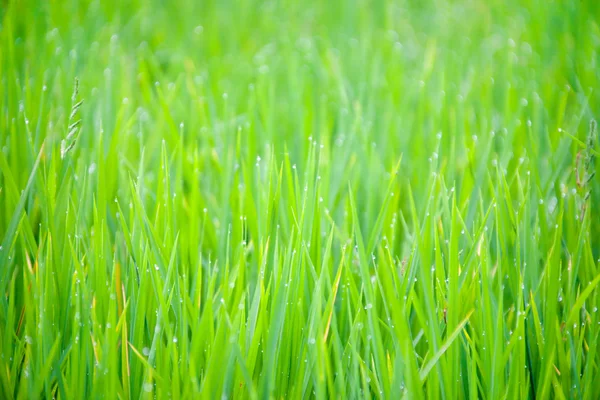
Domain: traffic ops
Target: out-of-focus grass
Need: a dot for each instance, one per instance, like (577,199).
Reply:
(299,199)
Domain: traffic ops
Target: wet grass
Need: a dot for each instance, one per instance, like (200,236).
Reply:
(299,199)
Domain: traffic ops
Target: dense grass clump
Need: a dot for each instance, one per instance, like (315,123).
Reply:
(312,199)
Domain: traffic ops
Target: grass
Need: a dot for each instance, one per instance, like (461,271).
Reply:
(281,199)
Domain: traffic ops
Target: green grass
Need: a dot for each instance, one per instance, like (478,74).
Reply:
(299,199)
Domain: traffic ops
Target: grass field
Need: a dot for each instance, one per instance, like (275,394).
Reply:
(299,199)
